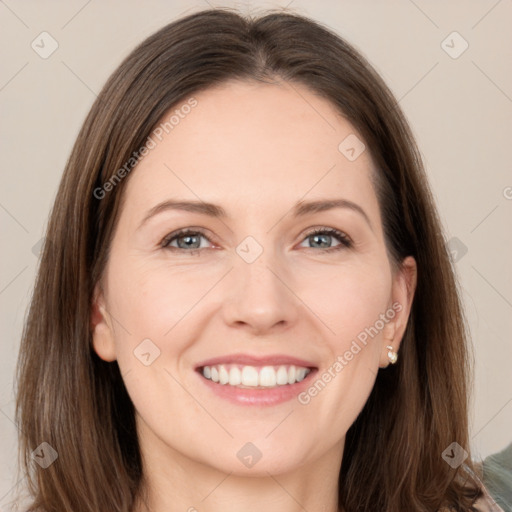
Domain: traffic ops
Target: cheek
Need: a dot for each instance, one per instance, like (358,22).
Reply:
(152,299)
(352,306)
(349,299)
(154,302)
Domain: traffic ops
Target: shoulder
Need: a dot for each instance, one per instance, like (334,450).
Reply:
(496,470)
(483,504)
(486,503)
(495,473)
(492,499)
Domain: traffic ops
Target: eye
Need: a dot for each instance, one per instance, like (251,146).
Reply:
(320,237)
(187,239)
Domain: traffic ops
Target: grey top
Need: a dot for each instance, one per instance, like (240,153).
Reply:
(497,478)
(496,482)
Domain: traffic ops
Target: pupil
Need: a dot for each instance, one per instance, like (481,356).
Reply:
(189,240)
(317,237)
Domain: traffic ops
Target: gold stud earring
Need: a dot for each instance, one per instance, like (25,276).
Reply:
(392,355)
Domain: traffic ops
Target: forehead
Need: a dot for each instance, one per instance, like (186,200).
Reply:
(252,143)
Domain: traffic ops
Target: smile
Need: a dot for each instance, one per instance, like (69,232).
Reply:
(255,377)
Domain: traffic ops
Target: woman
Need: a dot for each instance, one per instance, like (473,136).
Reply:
(189,344)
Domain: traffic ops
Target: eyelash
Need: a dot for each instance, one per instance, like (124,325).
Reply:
(345,241)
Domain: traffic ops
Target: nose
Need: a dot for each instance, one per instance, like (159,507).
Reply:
(260,296)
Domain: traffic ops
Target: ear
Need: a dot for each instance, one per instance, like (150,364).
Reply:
(403,289)
(101,324)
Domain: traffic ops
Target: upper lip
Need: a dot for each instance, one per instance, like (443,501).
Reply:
(248,360)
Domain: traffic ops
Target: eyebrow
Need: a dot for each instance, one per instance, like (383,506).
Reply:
(301,209)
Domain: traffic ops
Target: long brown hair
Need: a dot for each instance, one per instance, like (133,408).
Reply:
(77,403)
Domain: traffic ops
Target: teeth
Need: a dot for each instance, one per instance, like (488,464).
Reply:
(235,376)
(292,372)
(254,376)
(301,374)
(268,377)
(282,376)
(249,376)
(223,375)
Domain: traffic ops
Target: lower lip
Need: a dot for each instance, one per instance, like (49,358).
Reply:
(263,397)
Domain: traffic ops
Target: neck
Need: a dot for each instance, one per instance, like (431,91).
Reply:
(174,482)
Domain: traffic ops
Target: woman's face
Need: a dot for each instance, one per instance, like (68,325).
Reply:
(251,287)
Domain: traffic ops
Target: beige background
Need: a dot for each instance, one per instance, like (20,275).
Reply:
(460,110)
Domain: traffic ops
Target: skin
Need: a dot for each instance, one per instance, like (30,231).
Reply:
(256,150)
